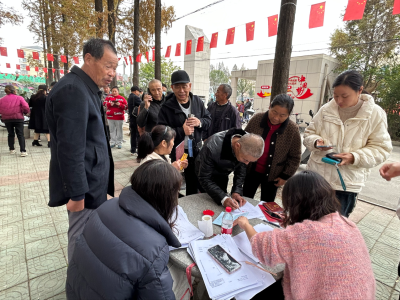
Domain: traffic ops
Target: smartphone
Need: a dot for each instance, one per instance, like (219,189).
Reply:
(191,116)
(224,259)
(331,156)
(326,146)
(274,215)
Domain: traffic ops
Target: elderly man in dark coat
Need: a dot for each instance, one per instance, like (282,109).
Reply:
(224,115)
(223,153)
(81,165)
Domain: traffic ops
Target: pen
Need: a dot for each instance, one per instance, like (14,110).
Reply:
(276,225)
(229,195)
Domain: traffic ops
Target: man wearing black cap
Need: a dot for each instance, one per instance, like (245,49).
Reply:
(133,105)
(187,115)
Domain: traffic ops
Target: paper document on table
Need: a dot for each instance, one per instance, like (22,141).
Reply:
(221,285)
(184,230)
(218,220)
(264,279)
(243,243)
(253,211)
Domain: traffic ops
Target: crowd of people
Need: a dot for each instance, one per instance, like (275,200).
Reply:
(118,249)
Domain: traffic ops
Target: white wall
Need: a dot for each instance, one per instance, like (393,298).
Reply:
(312,67)
(197,64)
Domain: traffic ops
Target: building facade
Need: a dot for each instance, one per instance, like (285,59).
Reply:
(310,83)
(197,64)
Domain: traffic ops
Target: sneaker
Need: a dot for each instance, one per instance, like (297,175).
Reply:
(119,146)
(23,154)
(12,152)
(112,146)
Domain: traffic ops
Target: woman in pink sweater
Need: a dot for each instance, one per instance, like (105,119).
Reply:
(12,110)
(324,252)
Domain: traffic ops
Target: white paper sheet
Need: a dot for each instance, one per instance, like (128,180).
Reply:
(184,230)
(220,284)
(243,242)
(252,211)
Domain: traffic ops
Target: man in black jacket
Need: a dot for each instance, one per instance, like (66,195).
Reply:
(223,153)
(224,115)
(151,105)
(186,114)
(81,165)
(247,106)
(133,105)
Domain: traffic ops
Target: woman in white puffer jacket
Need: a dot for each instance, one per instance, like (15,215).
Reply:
(356,128)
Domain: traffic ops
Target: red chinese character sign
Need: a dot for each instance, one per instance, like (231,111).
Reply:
(298,89)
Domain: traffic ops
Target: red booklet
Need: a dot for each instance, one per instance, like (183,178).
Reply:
(273,206)
(180,149)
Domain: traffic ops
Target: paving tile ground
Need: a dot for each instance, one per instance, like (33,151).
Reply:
(33,237)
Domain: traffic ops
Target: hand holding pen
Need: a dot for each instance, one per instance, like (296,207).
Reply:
(235,201)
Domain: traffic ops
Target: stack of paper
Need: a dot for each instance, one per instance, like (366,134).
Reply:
(184,230)
(243,242)
(242,284)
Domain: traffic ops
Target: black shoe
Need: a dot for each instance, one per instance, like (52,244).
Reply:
(36,143)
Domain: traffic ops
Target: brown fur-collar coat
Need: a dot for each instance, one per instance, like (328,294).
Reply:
(284,150)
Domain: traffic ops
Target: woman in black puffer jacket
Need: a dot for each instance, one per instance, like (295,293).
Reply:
(38,120)
(123,251)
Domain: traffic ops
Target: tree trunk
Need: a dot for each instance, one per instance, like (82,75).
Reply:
(135,79)
(65,45)
(111,20)
(43,34)
(157,66)
(98,7)
(111,29)
(283,49)
(48,41)
(54,42)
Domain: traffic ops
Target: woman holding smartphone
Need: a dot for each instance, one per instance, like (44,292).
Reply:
(354,128)
(325,255)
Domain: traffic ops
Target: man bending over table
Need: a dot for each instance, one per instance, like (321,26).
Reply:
(223,153)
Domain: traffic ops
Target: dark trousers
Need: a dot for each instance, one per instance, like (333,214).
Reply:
(253,181)
(274,291)
(134,133)
(108,133)
(347,201)
(19,130)
(192,183)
